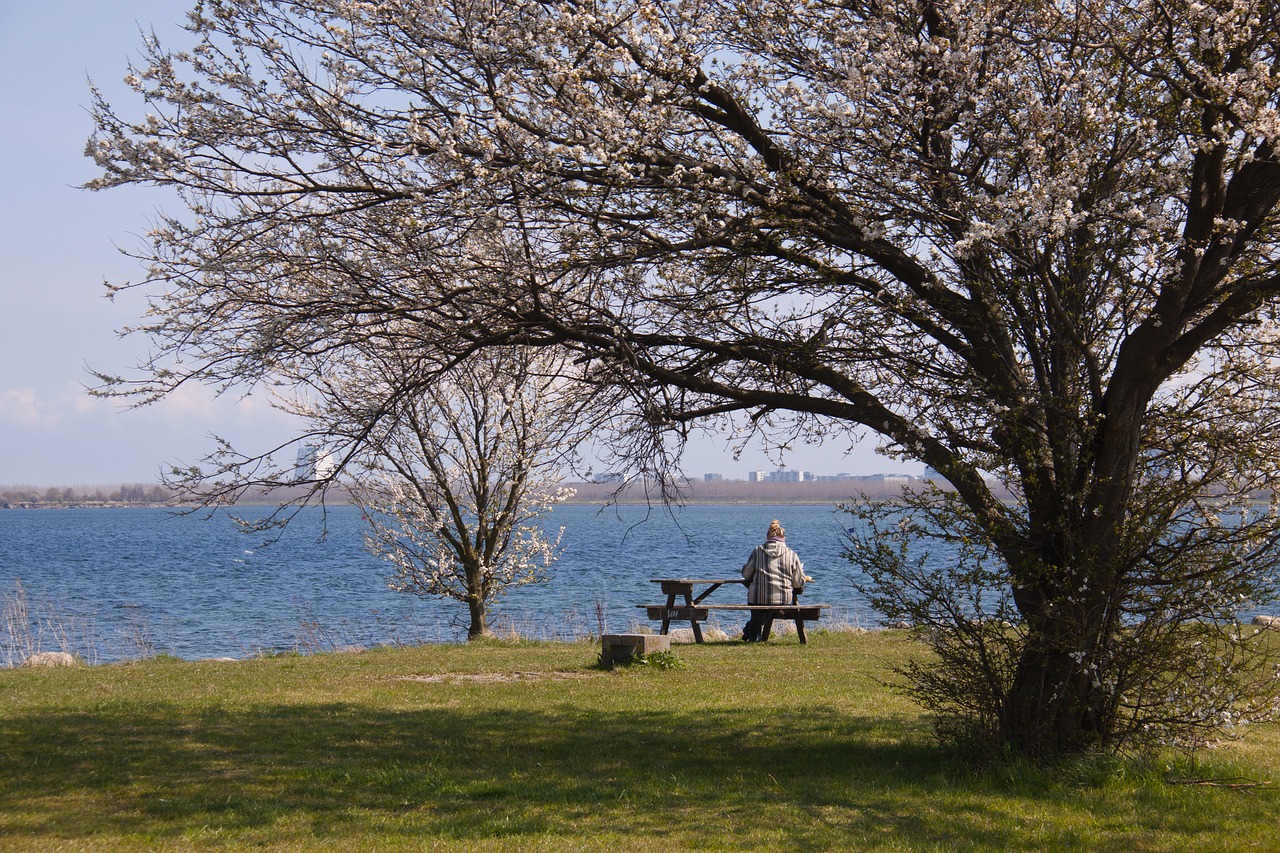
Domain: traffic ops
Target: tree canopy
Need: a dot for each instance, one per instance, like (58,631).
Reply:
(1024,242)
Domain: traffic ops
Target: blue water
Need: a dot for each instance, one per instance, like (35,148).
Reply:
(120,583)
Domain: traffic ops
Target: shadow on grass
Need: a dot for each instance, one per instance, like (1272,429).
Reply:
(285,774)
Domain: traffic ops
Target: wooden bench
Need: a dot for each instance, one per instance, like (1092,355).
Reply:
(696,613)
(799,613)
(668,613)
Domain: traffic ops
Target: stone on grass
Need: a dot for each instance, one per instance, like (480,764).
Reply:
(1267,621)
(619,648)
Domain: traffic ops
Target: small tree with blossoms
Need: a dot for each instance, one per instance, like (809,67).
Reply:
(454,485)
(1030,245)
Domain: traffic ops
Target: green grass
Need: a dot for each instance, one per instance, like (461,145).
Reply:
(530,746)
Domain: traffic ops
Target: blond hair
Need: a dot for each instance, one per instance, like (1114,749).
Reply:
(776,531)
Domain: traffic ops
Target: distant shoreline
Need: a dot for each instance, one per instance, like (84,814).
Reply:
(692,492)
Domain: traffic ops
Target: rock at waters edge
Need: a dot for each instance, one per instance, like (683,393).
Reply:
(50,659)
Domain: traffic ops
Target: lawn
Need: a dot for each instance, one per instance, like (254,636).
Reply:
(529,746)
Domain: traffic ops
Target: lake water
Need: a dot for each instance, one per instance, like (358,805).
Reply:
(121,583)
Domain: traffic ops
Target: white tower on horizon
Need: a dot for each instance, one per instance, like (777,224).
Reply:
(313,463)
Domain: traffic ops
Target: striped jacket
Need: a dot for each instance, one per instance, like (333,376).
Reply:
(774,572)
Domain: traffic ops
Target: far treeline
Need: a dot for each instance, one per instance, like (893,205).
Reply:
(101,495)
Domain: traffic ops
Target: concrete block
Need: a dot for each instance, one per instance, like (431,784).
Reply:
(618,648)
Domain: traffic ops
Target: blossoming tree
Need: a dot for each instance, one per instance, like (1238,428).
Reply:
(1028,244)
(454,485)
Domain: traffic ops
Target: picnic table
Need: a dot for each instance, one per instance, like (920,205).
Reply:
(694,611)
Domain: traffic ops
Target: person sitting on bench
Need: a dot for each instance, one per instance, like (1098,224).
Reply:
(774,575)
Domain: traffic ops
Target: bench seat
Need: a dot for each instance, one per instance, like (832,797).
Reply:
(799,613)
(780,611)
(681,612)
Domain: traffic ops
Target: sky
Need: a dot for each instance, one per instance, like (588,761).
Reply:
(59,244)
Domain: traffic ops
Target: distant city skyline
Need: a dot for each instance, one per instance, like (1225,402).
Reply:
(310,462)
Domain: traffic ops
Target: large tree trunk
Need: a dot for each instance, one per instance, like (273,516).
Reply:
(1053,707)
(1065,577)
(1056,704)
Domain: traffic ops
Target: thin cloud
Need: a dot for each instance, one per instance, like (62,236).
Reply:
(23,407)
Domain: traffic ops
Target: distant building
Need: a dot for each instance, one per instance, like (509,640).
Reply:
(609,477)
(712,478)
(888,479)
(313,463)
(782,475)
(785,475)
